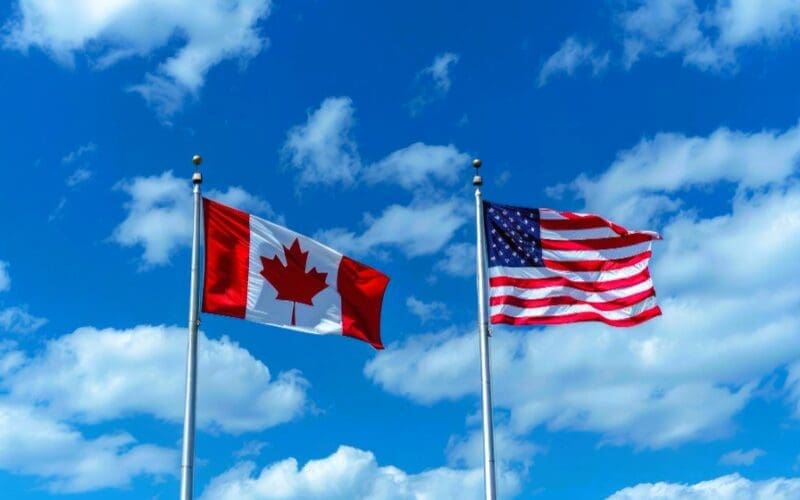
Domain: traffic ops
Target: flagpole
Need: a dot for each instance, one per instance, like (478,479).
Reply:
(187,457)
(483,336)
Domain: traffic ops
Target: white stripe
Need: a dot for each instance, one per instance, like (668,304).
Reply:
(549,214)
(582,276)
(578,234)
(605,254)
(536,312)
(561,291)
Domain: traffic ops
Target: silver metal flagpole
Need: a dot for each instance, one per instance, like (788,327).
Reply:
(483,336)
(187,458)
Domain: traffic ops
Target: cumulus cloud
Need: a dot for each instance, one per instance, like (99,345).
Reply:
(421,228)
(420,166)
(159,214)
(731,487)
(322,149)
(108,32)
(33,443)
(324,152)
(16,319)
(93,375)
(426,311)
(681,377)
(459,260)
(741,457)
(572,55)
(649,178)
(705,38)
(350,473)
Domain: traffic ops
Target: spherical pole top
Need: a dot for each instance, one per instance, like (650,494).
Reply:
(477,180)
(197,177)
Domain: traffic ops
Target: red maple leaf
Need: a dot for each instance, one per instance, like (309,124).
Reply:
(292,281)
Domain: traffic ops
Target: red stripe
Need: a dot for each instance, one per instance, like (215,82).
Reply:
(596,265)
(575,221)
(227,244)
(362,289)
(577,317)
(565,300)
(597,243)
(586,286)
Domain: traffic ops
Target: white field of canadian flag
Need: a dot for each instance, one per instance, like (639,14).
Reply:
(262,272)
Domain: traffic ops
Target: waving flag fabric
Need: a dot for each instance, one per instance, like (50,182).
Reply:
(548,267)
(263,272)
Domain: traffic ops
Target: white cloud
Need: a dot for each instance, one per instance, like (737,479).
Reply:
(439,70)
(648,179)
(350,473)
(32,443)
(18,320)
(731,487)
(707,39)
(5,278)
(107,32)
(58,211)
(417,229)
(323,152)
(87,148)
(426,311)
(251,449)
(322,148)
(459,260)
(93,375)
(569,57)
(741,457)
(681,377)
(159,214)
(433,82)
(512,454)
(420,166)
(78,176)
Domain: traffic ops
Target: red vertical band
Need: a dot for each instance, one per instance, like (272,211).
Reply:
(227,238)
(362,289)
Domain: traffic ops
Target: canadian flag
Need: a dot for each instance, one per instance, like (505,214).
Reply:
(262,272)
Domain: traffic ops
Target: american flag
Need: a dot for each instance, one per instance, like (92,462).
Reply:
(548,267)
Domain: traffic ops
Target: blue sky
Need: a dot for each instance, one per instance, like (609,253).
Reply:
(354,122)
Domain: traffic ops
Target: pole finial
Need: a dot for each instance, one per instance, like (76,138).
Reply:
(477,180)
(197,177)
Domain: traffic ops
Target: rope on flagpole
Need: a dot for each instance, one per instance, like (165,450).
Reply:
(187,456)
(483,336)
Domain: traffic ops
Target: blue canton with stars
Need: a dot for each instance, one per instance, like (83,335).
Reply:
(513,236)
